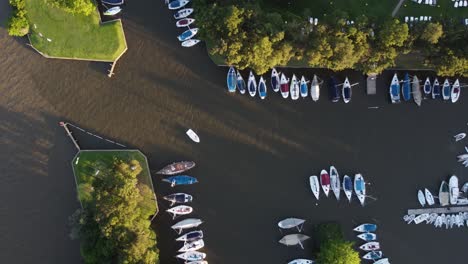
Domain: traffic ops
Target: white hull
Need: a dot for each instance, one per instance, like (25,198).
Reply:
(187,237)
(420,218)
(429,197)
(264,85)
(315,186)
(183,13)
(302,84)
(190,43)
(289,223)
(180,210)
(361,194)
(346,87)
(395,81)
(191,246)
(284,80)
(348,193)
(455,92)
(382,261)
(444,87)
(370,246)
(294,88)
(177,4)
(192,256)
(193,136)
(301,261)
(187,223)
(335,182)
(454,189)
(252,85)
(421,198)
(275,75)
(315,89)
(325,187)
(180,23)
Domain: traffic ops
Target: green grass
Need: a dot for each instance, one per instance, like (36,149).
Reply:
(74,36)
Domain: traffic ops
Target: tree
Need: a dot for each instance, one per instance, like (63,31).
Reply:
(18,25)
(432,32)
(393,33)
(74,6)
(338,251)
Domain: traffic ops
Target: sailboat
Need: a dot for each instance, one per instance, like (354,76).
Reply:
(315,186)
(366,228)
(192,256)
(444,194)
(180,210)
(188,34)
(186,224)
(360,188)
(183,13)
(417,95)
(178,198)
(252,85)
(335,182)
(184,22)
(180,180)
(395,89)
(275,80)
(192,245)
(334,90)
(301,261)
(191,236)
(346,91)
(231,79)
(303,87)
(262,90)
(406,89)
(421,198)
(315,89)
(454,189)
(294,239)
(429,197)
(348,187)
(370,246)
(455,93)
(112,11)
(176,4)
(436,89)
(446,91)
(427,87)
(240,83)
(294,88)
(373,255)
(289,223)
(325,182)
(176,168)
(284,86)
(193,136)
(190,43)
(367,236)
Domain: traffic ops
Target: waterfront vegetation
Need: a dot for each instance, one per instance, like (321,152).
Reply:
(117,197)
(333,248)
(263,34)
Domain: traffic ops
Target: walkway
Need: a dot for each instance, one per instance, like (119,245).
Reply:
(397,7)
(442,210)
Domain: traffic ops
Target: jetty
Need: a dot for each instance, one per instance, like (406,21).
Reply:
(440,210)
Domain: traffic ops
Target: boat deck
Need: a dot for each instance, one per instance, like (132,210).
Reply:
(440,210)
(371,84)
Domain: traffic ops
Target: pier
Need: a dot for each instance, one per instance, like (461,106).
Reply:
(440,210)
(69,133)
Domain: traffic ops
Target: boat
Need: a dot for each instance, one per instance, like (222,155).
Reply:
(178,198)
(427,87)
(176,168)
(186,224)
(284,86)
(370,246)
(275,80)
(180,210)
(360,188)
(416,89)
(191,236)
(197,262)
(395,89)
(334,90)
(429,197)
(420,218)
(409,218)
(193,136)
(406,88)
(421,198)
(373,255)
(335,182)
(446,91)
(294,88)
(347,92)
(184,22)
(252,84)
(301,261)
(315,186)
(366,228)
(454,189)
(348,187)
(294,239)
(455,93)
(303,87)
(382,261)
(459,136)
(190,43)
(315,89)
(192,245)
(436,89)
(292,222)
(176,4)
(231,79)
(240,83)
(192,256)
(444,194)
(262,90)
(367,236)
(180,180)
(113,2)
(112,11)
(465,188)
(325,182)
(183,13)
(187,34)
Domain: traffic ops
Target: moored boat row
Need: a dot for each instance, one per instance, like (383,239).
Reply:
(184,21)
(449,194)
(371,246)
(439,220)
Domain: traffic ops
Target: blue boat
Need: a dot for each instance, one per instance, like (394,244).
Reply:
(373,255)
(231,79)
(275,80)
(367,236)
(262,90)
(427,87)
(406,89)
(347,93)
(348,187)
(395,89)
(446,90)
(188,34)
(303,87)
(436,90)
(180,180)
(334,90)
(366,228)
(240,83)
(177,4)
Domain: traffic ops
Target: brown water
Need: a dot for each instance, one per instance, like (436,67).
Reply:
(253,161)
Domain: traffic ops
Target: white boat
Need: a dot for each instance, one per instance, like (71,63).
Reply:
(193,245)
(427,88)
(459,136)
(335,182)
(190,43)
(315,186)
(416,90)
(395,89)
(301,261)
(409,218)
(188,34)
(429,197)
(112,11)
(420,218)
(325,182)
(262,90)
(304,87)
(180,210)
(382,261)
(197,262)
(292,222)
(186,224)
(184,22)
(446,90)
(252,84)
(367,236)
(294,88)
(315,89)
(284,86)
(366,228)
(444,194)
(421,198)
(348,187)
(370,246)
(191,236)
(176,4)
(178,198)
(373,255)
(193,136)
(275,80)
(192,256)
(294,239)
(360,188)
(454,189)
(183,13)
(455,92)
(346,91)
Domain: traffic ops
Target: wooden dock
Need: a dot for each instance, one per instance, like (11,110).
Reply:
(64,125)
(440,210)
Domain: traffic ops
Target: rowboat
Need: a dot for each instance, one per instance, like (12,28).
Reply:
(180,210)
(193,136)
(112,11)
(446,91)
(315,186)
(294,88)
(367,236)
(292,222)
(113,2)
(191,236)
(183,13)
(262,90)
(416,89)
(190,43)
(360,188)
(192,245)
(177,4)
(301,261)
(335,182)
(186,224)
(373,255)
(252,84)
(180,180)
(284,86)
(334,90)
(315,89)
(436,89)
(406,89)
(427,87)
(366,228)
(325,182)
(454,189)
(347,93)
(240,83)
(429,197)
(420,218)
(395,89)
(455,93)
(382,261)
(231,79)
(178,198)
(185,22)
(188,34)
(444,194)
(294,239)
(303,87)
(176,168)
(370,246)
(421,198)
(192,256)
(348,187)
(275,80)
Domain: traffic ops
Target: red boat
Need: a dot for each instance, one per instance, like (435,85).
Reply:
(325,181)
(177,167)
(284,86)
(185,22)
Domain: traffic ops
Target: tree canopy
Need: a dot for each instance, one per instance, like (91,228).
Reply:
(74,6)
(333,248)
(432,32)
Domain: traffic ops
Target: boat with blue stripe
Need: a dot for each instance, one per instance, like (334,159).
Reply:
(180,180)
(231,79)
(406,89)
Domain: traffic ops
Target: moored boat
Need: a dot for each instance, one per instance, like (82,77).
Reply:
(186,224)
(436,89)
(197,262)
(262,90)
(112,11)
(335,182)
(454,189)
(184,22)
(416,90)
(240,83)
(289,223)
(427,87)
(180,210)
(421,198)
(191,236)
(301,261)
(347,92)
(406,88)
(275,80)
(192,256)
(455,92)
(178,198)
(188,34)
(360,188)
(373,255)
(429,197)
(444,194)
(193,136)
(370,246)
(183,13)
(294,88)
(231,79)
(315,186)
(334,90)
(367,236)
(420,218)
(252,85)
(190,43)
(395,89)
(382,261)
(176,168)
(446,91)
(113,2)
(366,228)
(348,187)
(315,89)
(294,239)
(180,180)
(304,87)
(192,245)
(284,86)
(176,4)
(325,182)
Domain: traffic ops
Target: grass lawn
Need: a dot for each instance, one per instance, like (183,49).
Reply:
(91,161)
(73,36)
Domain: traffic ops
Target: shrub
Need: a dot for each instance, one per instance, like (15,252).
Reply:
(18,25)
(73,6)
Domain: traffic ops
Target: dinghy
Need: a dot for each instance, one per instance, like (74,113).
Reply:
(303,87)
(262,90)
(348,187)
(177,167)
(183,13)
(192,256)
(177,4)
(193,136)
(436,89)
(289,223)
(420,218)
(186,224)
(335,182)
(454,189)
(421,198)
(429,197)
(284,86)
(294,88)
(193,245)
(275,80)
(367,236)
(231,79)
(382,261)
(315,89)
(360,188)
(178,198)
(180,180)
(190,43)
(370,246)
(191,236)
(346,91)
(112,11)
(252,85)
(366,228)
(240,83)
(406,89)
(180,210)
(373,255)
(315,186)
(294,239)
(301,261)
(334,90)
(427,87)
(444,194)
(455,93)
(395,89)
(325,182)
(184,22)
(416,89)
(446,91)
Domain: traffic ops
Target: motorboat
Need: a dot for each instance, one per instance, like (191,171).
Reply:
(315,186)
(325,182)
(455,92)
(176,4)
(191,236)
(193,136)
(454,189)
(315,89)
(429,197)
(335,182)
(294,88)
(367,236)
(284,86)
(294,240)
(192,256)
(347,92)
(262,90)
(240,83)
(304,88)
(192,245)
(360,188)
(444,194)
(180,180)
(427,87)
(252,84)
(436,89)
(183,13)
(178,198)
(292,222)
(185,22)
(176,168)
(366,228)
(348,187)
(373,255)
(421,198)
(275,80)
(406,88)
(112,11)
(334,90)
(301,261)
(370,246)
(190,43)
(231,79)
(420,218)
(416,90)
(180,210)
(446,90)
(188,34)
(186,224)
(395,89)
(459,136)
